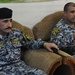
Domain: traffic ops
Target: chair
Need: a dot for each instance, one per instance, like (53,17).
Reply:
(51,63)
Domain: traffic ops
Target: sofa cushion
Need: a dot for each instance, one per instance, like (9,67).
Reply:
(43,28)
(23,28)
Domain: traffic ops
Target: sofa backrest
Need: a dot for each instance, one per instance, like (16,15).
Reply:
(23,28)
(43,28)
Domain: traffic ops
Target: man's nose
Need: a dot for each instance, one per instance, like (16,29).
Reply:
(9,24)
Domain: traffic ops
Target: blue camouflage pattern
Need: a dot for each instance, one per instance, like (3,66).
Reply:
(62,36)
(10,54)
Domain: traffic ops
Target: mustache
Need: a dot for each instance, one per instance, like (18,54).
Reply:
(9,28)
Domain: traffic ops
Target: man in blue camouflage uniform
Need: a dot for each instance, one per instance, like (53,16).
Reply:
(11,41)
(63,33)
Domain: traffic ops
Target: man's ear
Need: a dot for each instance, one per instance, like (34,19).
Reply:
(65,13)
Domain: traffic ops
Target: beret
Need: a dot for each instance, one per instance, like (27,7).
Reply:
(5,13)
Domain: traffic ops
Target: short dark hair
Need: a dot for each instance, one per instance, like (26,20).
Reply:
(5,13)
(68,4)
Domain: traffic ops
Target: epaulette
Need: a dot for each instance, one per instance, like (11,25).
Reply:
(26,36)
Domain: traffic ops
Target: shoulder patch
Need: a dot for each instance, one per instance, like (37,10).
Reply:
(55,31)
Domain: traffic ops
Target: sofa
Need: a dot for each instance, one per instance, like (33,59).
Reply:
(51,63)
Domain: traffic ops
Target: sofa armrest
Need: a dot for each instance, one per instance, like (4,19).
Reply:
(43,60)
(68,60)
(51,63)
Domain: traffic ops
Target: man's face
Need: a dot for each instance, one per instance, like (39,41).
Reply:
(5,25)
(70,14)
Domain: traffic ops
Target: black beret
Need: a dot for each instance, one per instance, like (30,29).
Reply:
(5,13)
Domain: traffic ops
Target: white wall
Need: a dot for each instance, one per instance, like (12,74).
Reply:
(29,14)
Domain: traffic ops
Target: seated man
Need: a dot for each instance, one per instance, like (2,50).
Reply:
(11,41)
(63,34)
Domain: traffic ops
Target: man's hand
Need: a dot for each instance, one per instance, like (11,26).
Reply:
(48,46)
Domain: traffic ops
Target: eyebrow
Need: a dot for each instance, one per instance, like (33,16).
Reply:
(6,20)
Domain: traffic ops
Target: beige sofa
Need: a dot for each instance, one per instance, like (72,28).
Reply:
(51,63)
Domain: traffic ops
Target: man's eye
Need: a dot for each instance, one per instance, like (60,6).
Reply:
(72,11)
(5,21)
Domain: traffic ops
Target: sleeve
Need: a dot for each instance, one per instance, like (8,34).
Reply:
(30,43)
(62,36)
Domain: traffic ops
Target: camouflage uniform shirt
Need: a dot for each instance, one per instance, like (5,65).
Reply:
(62,34)
(10,54)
